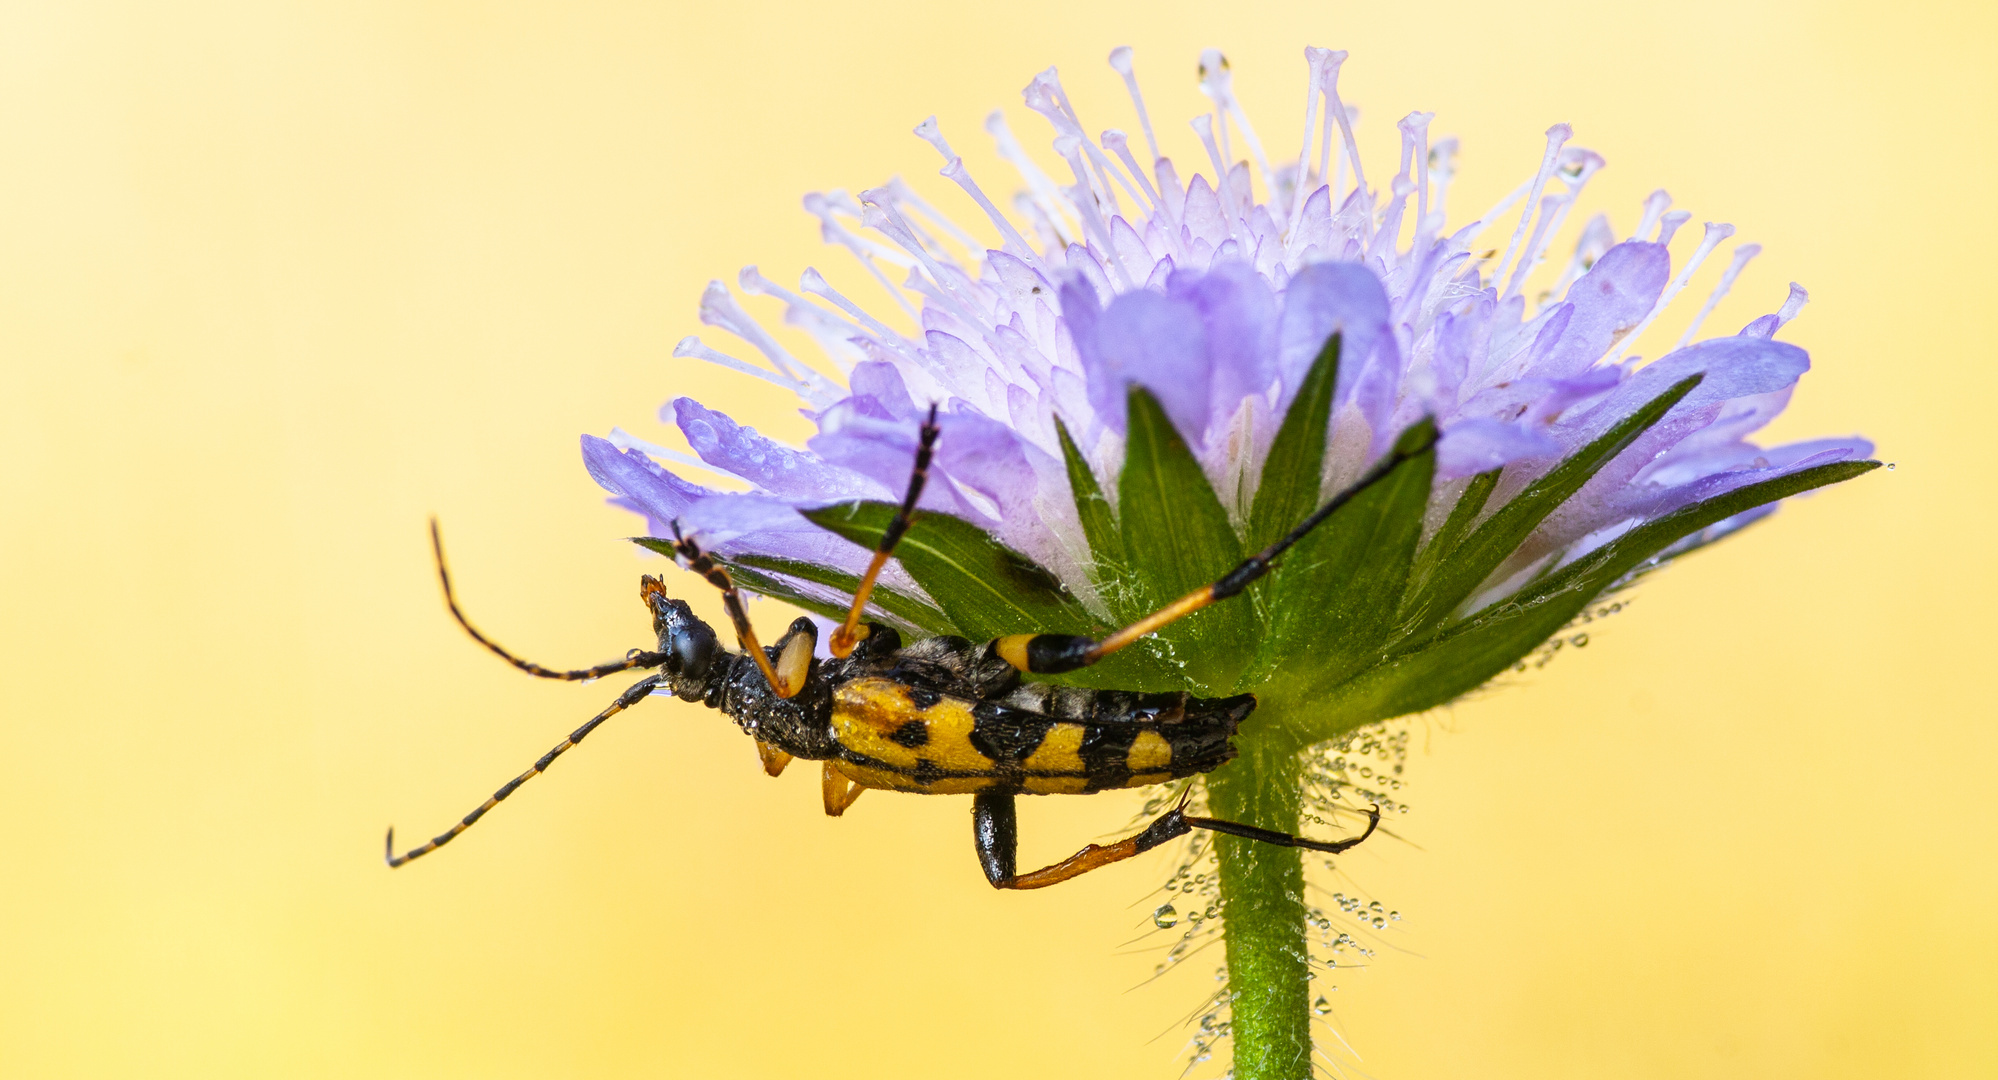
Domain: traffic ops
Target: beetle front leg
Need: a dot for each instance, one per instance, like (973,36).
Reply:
(773,759)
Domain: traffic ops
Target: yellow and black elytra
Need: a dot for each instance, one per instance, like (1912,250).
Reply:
(941,716)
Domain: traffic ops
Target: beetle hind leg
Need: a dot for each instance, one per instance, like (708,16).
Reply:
(996,833)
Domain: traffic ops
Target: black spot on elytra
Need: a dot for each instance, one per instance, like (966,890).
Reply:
(1106,751)
(1006,735)
(923,698)
(927,771)
(911,734)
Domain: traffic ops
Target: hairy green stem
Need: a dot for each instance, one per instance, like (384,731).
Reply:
(1262,892)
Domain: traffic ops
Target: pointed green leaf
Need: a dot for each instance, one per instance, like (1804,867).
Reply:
(1099,525)
(899,606)
(987,589)
(1480,553)
(1177,538)
(1295,469)
(1463,658)
(1334,596)
(1470,503)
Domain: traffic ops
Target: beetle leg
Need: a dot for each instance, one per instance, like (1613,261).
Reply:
(1270,836)
(1052,654)
(995,831)
(794,656)
(773,759)
(701,563)
(838,791)
(850,634)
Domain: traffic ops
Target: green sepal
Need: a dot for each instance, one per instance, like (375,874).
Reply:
(1498,536)
(1099,525)
(1333,597)
(986,589)
(1295,469)
(1470,503)
(1178,538)
(1464,657)
(898,606)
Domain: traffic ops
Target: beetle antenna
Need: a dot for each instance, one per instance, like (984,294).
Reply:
(636,658)
(632,696)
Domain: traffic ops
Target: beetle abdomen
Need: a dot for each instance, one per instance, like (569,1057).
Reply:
(895,736)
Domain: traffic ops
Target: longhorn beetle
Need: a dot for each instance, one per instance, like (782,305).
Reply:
(941,716)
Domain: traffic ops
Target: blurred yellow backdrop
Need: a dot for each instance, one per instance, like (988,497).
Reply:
(278,281)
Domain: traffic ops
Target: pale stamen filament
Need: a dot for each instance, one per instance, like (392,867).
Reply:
(691,347)
(1218,81)
(1655,204)
(1120,62)
(1556,136)
(1742,254)
(1045,194)
(1338,109)
(1668,226)
(1301,187)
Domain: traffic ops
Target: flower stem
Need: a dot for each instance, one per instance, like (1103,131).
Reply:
(1262,893)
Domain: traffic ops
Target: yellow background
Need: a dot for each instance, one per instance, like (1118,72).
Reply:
(278,281)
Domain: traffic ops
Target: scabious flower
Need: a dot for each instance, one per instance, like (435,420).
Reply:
(1562,466)
(1156,369)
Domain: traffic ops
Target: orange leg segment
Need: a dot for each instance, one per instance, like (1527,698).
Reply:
(773,759)
(839,792)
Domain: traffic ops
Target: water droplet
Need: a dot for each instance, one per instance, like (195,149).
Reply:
(1166,917)
(1377,906)
(1395,915)
(1195,916)
(1321,1006)
(1379,922)
(1890,466)
(1579,640)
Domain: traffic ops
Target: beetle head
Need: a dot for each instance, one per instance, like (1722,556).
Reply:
(688,645)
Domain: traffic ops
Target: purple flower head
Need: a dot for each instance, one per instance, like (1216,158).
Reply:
(1214,296)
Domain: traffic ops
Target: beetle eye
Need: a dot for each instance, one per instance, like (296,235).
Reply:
(690,649)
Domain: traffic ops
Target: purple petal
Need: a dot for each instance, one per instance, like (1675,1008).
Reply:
(1724,469)
(880,392)
(996,462)
(1734,367)
(1462,339)
(1239,314)
(883,450)
(1151,340)
(771,466)
(1477,445)
(1342,297)
(658,494)
(1202,214)
(1609,301)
